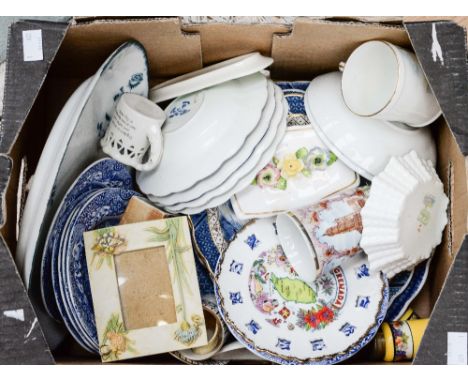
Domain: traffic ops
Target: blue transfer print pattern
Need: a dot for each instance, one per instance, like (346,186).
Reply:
(363,271)
(317,345)
(252,241)
(283,344)
(235,297)
(362,302)
(253,326)
(347,329)
(135,80)
(236,267)
(177,111)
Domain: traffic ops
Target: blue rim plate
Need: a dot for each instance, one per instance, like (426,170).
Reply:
(398,284)
(401,303)
(282,319)
(100,174)
(60,294)
(103,209)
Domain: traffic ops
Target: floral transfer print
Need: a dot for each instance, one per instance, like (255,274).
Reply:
(115,340)
(108,243)
(403,341)
(303,162)
(424,215)
(284,299)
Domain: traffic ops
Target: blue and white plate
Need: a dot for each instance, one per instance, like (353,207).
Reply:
(104,208)
(294,93)
(281,318)
(400,304)
(213,229)
(398,284)
(101,174)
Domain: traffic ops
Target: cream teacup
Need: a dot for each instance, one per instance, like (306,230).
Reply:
(319,238)
(384,81)
(134,129)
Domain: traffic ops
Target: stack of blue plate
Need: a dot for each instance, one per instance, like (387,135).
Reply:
(96,199)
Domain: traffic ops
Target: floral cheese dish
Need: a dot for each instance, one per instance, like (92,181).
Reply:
(144,287)
(283,319)
(302,172)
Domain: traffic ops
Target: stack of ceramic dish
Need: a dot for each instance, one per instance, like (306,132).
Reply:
(96,199)
(405,215)
(302,171)
(363,144)
(215,141)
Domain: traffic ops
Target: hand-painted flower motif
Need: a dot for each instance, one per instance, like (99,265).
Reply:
(107,244)
(363,271)
(135,80)
(115,341)
(290,166)
(252,241)
(314,319)
(317,345)
(304,161)
(424,215)
(362,302)
(347,329)
(188,333)
(403,341)
(253,326)
(180,109)
(236,267)
(235,297)
(283,344)
(269,177)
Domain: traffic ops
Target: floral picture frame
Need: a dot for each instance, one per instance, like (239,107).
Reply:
(145,289)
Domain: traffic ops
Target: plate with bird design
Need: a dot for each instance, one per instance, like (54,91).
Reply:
(285,320)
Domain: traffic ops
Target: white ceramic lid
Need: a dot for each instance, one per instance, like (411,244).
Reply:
(209,76)
(302,172)
(364,144)
(285,320)
(202,131)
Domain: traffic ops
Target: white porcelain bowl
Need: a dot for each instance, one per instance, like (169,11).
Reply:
(364,144)
(202,131)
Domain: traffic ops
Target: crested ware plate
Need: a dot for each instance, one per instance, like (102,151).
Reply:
(302,172)
(404,216)
(74,143)
(363,144)
(202,131)
(234,185)
(103,208)
(281,318)
(209,76)
(231,165)
(253,161)
(103,173)
(397,284)
(400,303)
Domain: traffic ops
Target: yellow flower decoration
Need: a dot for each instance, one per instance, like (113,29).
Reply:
(290,166)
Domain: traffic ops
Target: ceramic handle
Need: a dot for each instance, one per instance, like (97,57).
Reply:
(156,149)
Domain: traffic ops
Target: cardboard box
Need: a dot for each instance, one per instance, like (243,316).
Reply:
(37,91)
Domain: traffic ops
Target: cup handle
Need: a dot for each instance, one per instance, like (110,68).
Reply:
(156,149)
